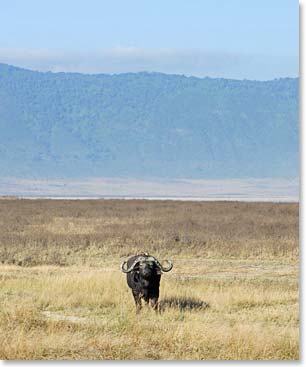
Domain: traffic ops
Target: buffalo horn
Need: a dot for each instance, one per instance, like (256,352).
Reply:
(163,268)
(127,270)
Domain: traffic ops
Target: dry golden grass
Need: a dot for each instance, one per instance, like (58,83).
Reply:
(88,313)
(67,232)
(233,292)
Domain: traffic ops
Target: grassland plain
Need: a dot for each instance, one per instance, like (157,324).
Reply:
(233,292)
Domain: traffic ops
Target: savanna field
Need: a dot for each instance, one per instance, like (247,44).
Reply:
(232,294)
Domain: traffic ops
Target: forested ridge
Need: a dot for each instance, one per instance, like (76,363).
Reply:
(146,125)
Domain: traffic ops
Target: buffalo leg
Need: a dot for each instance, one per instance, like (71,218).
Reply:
(154,303)
(137,298)
(146,299)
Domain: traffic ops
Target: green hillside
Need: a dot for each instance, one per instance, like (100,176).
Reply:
(146,125)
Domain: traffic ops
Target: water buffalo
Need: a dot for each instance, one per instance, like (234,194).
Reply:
(143,273)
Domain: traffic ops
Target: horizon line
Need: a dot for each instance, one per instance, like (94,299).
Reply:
(145,72)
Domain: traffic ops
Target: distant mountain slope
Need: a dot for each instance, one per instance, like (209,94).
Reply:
(146,125)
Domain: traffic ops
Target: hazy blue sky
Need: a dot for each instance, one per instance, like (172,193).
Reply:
(255,39)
